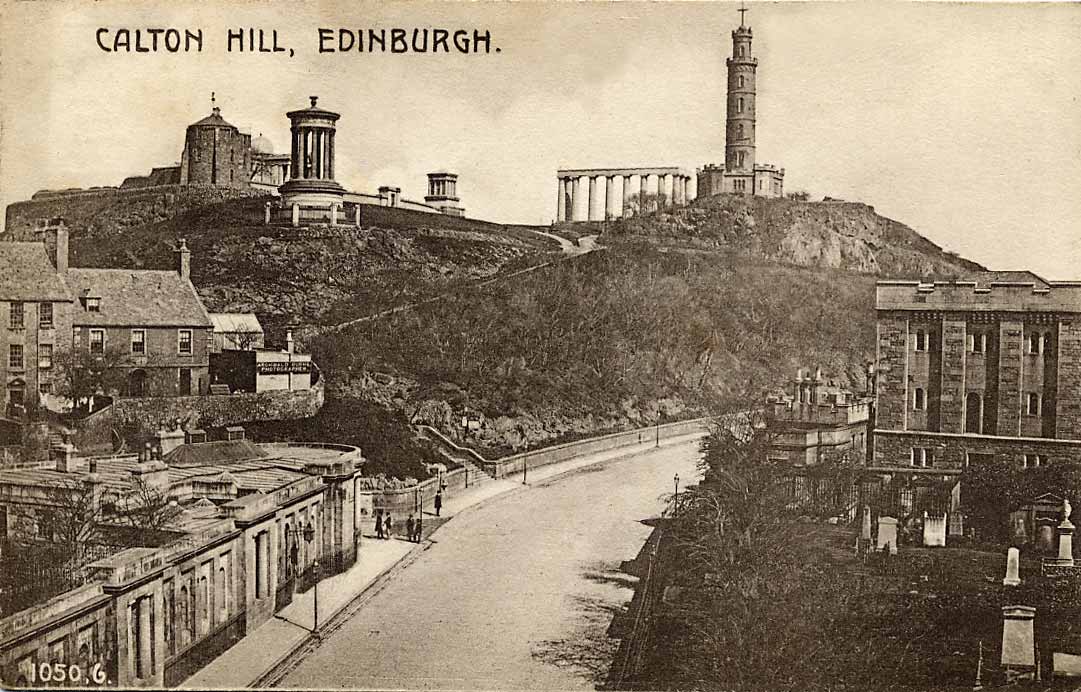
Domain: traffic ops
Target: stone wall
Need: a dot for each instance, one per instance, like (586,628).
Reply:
(1068,413)
(895,449)
(114,209)
(133,418)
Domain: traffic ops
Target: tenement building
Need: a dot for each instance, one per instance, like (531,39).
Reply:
(977,371)
(741,174)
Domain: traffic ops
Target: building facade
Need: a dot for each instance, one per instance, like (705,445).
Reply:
(741,174)
(148,327)
(248,531)
(443,193)
(986,370)
(35,319)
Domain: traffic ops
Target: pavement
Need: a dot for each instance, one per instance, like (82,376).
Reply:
(279,639)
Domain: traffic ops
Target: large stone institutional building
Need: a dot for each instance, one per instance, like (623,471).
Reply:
(985,370)
(741,174)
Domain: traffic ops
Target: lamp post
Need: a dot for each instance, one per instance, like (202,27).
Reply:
(309,534)
(675,502)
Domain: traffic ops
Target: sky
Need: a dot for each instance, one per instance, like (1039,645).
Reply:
(961,120)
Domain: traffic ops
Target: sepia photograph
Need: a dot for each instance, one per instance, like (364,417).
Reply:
(520,346)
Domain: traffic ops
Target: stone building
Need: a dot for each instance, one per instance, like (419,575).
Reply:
(269,170)
(741,174)
(247,526)
(816,419)
(311,185)
(148,326)
(215,153)
(977,371)
(35,317)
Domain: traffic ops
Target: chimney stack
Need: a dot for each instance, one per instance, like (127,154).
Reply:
(56,244)
(183,259)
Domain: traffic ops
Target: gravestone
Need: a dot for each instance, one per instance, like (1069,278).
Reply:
(1018,638)
(865,524)
(934,531)
(1065,537)
(1013,560)
(887,534)
(956,524)
(1045,535)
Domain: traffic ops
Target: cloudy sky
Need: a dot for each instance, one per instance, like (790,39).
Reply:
(961,120)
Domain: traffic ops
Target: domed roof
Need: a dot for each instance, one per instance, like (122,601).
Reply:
(262,145)
(213,120)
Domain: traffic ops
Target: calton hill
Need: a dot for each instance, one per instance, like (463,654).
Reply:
(696,311)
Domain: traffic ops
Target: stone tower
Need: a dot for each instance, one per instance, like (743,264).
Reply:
(739,124)
(215,153)
(311,178)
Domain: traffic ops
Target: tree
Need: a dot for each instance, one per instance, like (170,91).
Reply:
(78,374)
(799,196)
(639,203)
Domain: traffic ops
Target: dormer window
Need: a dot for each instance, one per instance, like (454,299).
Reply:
(93,304)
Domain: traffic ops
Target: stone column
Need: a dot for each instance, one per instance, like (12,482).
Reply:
(146,664)
(643,182)
(626,194)
(294,169)
(609,197)
(356,213)
(592,197)
(296,214)
(333,214)
(561,200)
(330,154)
(576,198)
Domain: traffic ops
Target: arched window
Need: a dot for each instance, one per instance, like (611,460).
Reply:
(739,105)
(740,51)
(739,81)
(739,131)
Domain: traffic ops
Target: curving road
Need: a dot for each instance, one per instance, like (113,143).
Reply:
(516,594)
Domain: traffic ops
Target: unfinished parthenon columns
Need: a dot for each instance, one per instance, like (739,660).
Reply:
(672,187)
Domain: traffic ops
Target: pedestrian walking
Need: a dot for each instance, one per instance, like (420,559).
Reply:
(438,501)
(410,524)
(379,524)
(388,526)
(419,528)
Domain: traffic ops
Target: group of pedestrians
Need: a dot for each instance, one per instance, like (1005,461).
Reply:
(384,527)
(414,526)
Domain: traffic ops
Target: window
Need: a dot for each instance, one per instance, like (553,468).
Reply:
(138,341)
(45,315)
(93,304)
(1033,404)
(923,457)
(97,341)
(919,399)
(45,387)
(16,315)
(921,340)
(739,130)
(740,51)
(1033,461)
(977,342)
(183,343)
(15,356)
(1035,343)
(45,356)
(739,81)
(739,105)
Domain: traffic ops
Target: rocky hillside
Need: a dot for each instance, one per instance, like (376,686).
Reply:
(316,274)
(834,234)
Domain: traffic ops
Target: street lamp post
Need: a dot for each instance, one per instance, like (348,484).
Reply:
(309,534)
(675,502)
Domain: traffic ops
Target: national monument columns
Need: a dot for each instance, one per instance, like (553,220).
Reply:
(571,205)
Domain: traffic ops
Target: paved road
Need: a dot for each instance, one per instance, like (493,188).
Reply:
(516,594)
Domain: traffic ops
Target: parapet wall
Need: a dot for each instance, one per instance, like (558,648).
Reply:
(978,297)
(136,417)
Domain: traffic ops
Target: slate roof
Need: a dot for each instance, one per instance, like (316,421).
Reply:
(238,322)
(210,453)
(213,120)
(137,297)
(27,274)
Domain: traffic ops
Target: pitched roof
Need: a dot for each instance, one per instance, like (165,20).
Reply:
(239,322)
(138,297)
(213,120)
(27,274)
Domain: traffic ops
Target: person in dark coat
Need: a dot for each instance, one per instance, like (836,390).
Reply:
(419,528)
(388,526)
(410,524)
(379,524)
(438,501)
